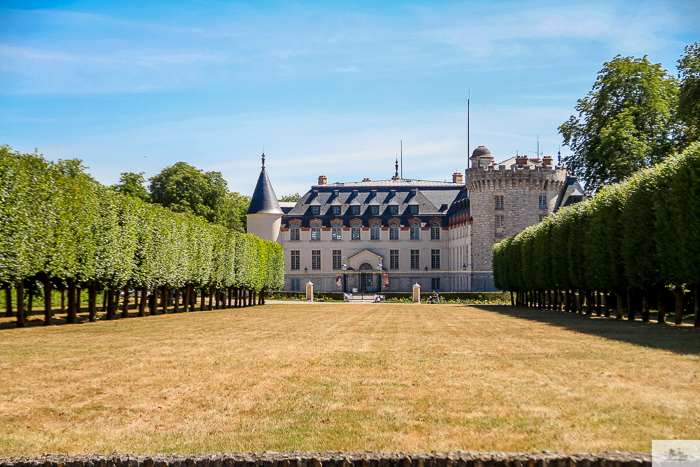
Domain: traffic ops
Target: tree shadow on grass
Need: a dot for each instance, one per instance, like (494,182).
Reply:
(679,339)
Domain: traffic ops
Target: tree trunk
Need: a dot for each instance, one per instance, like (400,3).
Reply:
(8,303)
(176,302)
(696,306)
(589,303)
(661,306)
(251,297)
(110,303)
(143,294)
(645,307)
(204,299)
(619,306)
(105,300)
(608,303)
(20,305)
(63,299)
(71,318)
(92,302)
(125,304)
(631,312)
(78,302)
(48,310)
(186,299)
(152,301)
(211,299)
(679,305)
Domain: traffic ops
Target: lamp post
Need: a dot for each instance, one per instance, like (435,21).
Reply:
(379,270)
(464,269)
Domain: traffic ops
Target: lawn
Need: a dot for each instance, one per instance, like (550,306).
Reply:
(330,377)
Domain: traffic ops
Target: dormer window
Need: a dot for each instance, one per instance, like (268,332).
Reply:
(393,210)
(315,210)
(374,210)
(413,209)
(355,210)
(336,210)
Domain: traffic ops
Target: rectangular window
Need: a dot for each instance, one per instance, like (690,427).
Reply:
(296,284)
(294,233)
(355,210)
(415,259)
(393,232)
(374,210)
(337,259)
(295,260)
(541,217)
(435,259)
(393,259)
(543,201)
(499,225)
(393,210)
(336,210)
(435,283)
(355,232)
(315,259)
(315,233)
(499,202)
(315,210)
(413,210)
(337,232)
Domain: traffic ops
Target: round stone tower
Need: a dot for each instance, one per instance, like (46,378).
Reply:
(505,199)
(264,215)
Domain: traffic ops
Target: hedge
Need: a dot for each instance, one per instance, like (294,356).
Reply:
(59,228)
(628,246)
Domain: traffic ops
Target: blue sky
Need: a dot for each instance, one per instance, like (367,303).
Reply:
(325,87)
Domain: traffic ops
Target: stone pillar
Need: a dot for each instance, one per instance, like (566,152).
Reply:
(309,291)
(416,293)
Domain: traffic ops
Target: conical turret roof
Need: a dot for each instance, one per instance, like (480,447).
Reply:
(264,200)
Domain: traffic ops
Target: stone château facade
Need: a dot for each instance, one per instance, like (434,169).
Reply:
(381,236)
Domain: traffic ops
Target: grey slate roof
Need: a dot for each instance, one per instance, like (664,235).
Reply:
(264,200)
(432,198)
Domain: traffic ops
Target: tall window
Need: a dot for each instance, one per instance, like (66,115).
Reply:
(336,210)
(374,232)
(315,233)
(415,231)
(435,259)
(355,232)
(337,259)
(499,225)
(315,259)
(296,284)
(415,259)
(315,210)
(435,283)
(543,201)
(413,210)
(393,210)
(295,260)
(355,210)
(393,232)
(374,210)
(499,202)
(294,232)
(337,232)
(393,259)
(435,231)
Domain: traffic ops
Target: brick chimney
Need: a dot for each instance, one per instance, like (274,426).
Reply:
(366,180)
(457,177)
(521,160)
(322,180)
(547,161)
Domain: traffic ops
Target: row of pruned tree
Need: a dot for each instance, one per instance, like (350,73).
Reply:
(635,239)
(60,229)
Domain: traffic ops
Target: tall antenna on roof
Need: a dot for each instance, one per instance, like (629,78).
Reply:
(401,159)
(468,111)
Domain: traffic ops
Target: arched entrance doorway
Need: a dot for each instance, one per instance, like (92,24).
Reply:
(367,278)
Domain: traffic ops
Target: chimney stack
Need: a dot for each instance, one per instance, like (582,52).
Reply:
(457,177)
(547,161)
(521,160)
(322,180)
(366,180)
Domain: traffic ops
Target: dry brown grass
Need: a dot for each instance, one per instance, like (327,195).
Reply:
(347,377)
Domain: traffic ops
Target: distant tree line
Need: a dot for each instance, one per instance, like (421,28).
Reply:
(60,229)
(631,244)
(636,115)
